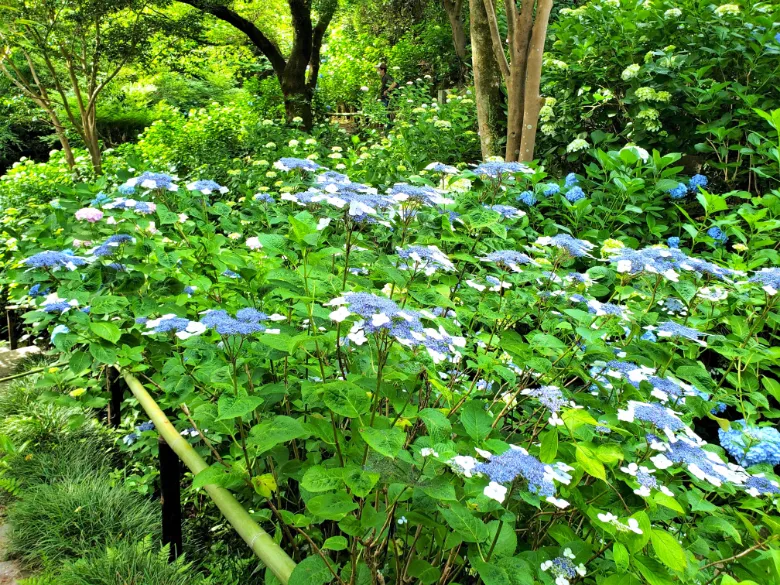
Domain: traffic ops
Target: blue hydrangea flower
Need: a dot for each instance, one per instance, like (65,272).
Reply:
(150,180)
(704,465)
(125,190)
(679,192)
(719,408)
(673,242)
(504,468)
(758,485)
(649,336)
(570,181)
(768,278)
(421,194)
(551,398)
(207,187)
(264,198)
(717,234)
(573,246)
(442,168)
(57,307)
(751,445)
(290,163)
(672,329)
(54,260)
(145,208)
(654,413)
(35,291)
(574,194)
(190,290)
(224,324)
(509,258)
(498,169)
(527,198)
(696,182)
(553,188)
(427,259)
(99,199)
(230,274)
(506,211)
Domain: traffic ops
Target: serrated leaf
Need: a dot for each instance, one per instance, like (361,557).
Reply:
(346,399)
(271,432)
(468,527)
(668,549)
(385,441)
(230,407)
(321,479)
(105,330)
(335,543)
(476,420)
(311,571)
(331,506)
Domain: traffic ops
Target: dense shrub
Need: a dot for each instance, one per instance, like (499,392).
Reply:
(71,519)
(683,77)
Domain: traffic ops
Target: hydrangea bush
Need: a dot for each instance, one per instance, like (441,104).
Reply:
(444,380)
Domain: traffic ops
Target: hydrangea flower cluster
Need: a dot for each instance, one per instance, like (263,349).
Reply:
(551,398)
(717,234)
(422,195)
(438,167)
(751,445)
(428,259)
(54,260)
(246,322)
(379,314)
(517,462)
(497,169)
(563,569)
(769,279)
(207,187)
(508,258)
(572,246)
(89,214)
(506,211)
(303,164)
(171,323)
(152,181)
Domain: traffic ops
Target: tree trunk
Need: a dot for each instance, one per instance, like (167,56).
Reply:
(533,101)
(453,10)
(487,82)
(518,68)
(59,130)
(297,104)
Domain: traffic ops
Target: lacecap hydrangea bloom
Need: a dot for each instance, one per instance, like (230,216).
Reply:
(427,259)
(54,260)
(769,279)
(441,168)
(207,187)
(496,169)
(303,164)
(149,180)
(246,322)
(183,328)
(572,246)
(751,445)
(508,258)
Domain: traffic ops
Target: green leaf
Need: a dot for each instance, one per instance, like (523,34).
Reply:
(79,362)
(438,425)
(231,407)
(468,527)
(506,542)
(311,571)
(346,399)
(359,481)
(549,448)
(713,524)
(104,305)
(331,506)
(620,556)
(587,459)
(491,573)
(476,420)
(321,479)
(335,543)
(271,432)
(104,355)
(105,330)
(217,474)
(385,441)
(668,549)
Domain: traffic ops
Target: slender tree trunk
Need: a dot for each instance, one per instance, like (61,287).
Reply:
(453,8)
(516,84)
(59,130)
(487,82)
(533,101)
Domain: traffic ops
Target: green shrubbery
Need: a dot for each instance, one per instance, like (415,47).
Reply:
(681,77)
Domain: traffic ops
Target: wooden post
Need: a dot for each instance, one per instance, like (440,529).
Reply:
(442,96)
(10,319)
(116,386)
(170,497)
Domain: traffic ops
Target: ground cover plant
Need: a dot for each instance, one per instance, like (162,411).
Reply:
(501,399)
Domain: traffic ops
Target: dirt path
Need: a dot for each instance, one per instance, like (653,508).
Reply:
(10,573)
(11,358)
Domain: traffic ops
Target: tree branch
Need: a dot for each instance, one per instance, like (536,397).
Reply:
(254,34)
(495,35)
(316,42)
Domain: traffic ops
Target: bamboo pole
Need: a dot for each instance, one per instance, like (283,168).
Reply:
(258,539)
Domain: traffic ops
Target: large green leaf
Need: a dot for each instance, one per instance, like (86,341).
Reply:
(106,330)
(476,420)
(385,441)
(346,399)
(231,407)
(311,571)
(331,506)
(271,432)
(668,549)
(464,523)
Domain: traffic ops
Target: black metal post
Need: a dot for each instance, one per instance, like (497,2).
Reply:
(170,497)
(10,319)
(116,386)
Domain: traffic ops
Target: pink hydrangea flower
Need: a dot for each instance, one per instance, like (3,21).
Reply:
(89,214)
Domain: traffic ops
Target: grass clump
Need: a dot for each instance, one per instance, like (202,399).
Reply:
(129,564)
(68,520)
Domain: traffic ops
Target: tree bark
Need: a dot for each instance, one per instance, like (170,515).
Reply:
(487,81)
(453,8)
(533,101)
(291,74)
